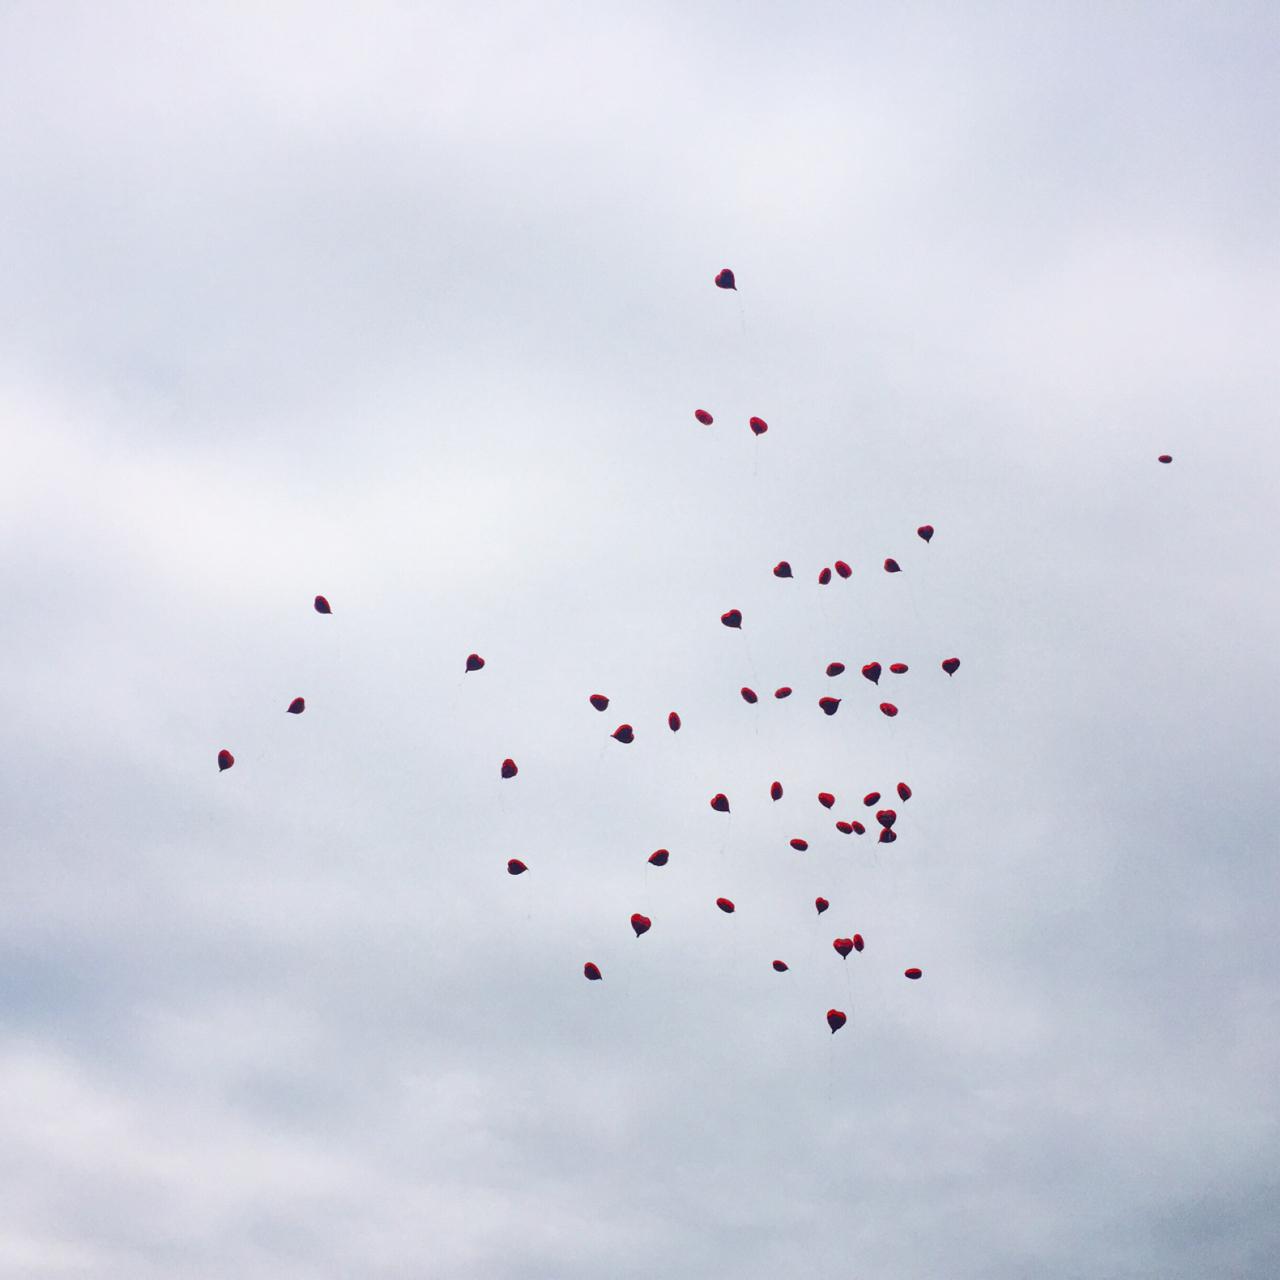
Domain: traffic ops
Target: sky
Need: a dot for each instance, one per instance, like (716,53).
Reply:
(411,305)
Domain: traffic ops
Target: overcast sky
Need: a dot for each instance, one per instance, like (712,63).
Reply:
(411,305)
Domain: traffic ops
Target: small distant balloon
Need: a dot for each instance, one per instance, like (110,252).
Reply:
(888,709)
(824,576)
(474,662)
(724,279)
(599,701)
(843,946)
(641,924)
(951,665)
(857,942)
(835,1020)
(925,531)
(515,867)
(872,797)
(659,857)
(886,817)
(898,668)
(297,706)
(509,769)
(835,668)
(225,760)
(887,835)
(758,426)
(913,974)
(782,691)
(720,802)
(748,695)
(673,722)
(322,605)
(624,733)
(904,791)
(826,799)
(845,828)
(872,672)
(1165,458)
(829,705)
(725,905)
(732,618)
(703,417)
(776,791)
(780,966)
(782,569)
(591,972)
(820,905)
(799,844)
(843,569)
(892,566)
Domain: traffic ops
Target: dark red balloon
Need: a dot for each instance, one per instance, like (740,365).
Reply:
(776,791)
(872,797)
(724,279)
(898,668)
(887,835)
(820,905)
(322,605)
(951,665)
(599,701)
(783,691)
(624,733)
(225,760)
(515,867)
(835,1020)
(641,924)
(659,857)
(591,972)
(888,709)
(835,668)
(732,619)
(892,566)
(845,828)
(758,426)
(799,844)
(748,695)
(904,791)
(872,672)
(474,662)
(673,722)
(886,817)
(925,531)
(913,974)
(782,569)
(826,799)
(1165,457)
(509,769)
(824,576)
(843,946)
(843,569)
(829,705)
(857,942)
(720,802)
(780,966)
(725,905)
(297,706)
(703,417)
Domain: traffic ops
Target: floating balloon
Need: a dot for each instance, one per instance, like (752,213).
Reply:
(913,974)
(898,668)
(725,905)
(659,857)
(732,619)
(1165,457)
(783,691)
(599,701)
(673,722)
(843,946)
(641,924)
(799,844)
(824,576)
(297,706)
(724,279)
(624,733)
(703,417)
(776,791)
(892,566)
(857,942)
(720,802)
(322,605)
(872,672)
(826,799)
(887,835)
(904,791)
(225,760)
(843,569)
(758,426)
(748,695)
(591,972)
(829,705)
(515,867)
(845,828)
(858,828)
(886,817)
(780,966)
(872,797)
(782,569)
(951,665)
(509,769)
(888,709)
(835,669)
(835,1020)
(475,662)
(820,905)
(925,531)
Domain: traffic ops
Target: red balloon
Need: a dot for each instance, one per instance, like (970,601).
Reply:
(322,605)
(724,279)
(776,791)
(1165,457)
(904,791)
(780,966)
(748,695)
(857,942)
(297,706)
(925,531)
(474,662)
(820,905)
(725,905)
(888,709)
(835,1020)
(835,668)
(783,691)
(858,828)
(782,569)
(225,760)
(826,799)
(913,974)
(673,722)
(892,566)
(951,665)
(887,835)
(591,972)
(509,769)
(872,672)
(898,668)
(843,946)
(872,797)
(641,924)
(824,576)
(732,619)
(720,802)
(659,857)
(829,705)
(703,417)
(799,844)
(515,867)
(843,569)
(886,817)
(845,828)
(758,425)
(624,733)
(599,701)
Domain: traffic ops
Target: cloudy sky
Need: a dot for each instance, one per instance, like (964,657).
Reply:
(410,304)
